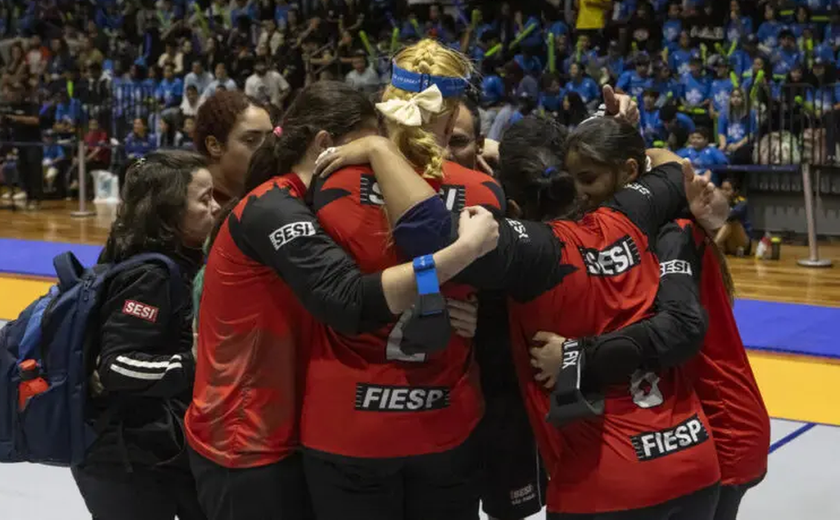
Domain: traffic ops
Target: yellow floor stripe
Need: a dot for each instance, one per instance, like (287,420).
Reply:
(797,388)
(16,294)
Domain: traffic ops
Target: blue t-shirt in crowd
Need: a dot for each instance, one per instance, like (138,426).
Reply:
(824,51)
(671,30)
(737,129)
(678,60)
(551,102)
(740,61)
(633,84)
(768,33)
(68,112)
(249,11)
(738,29)
(720,91)
(170,92)
(650,125)
(682,121)
(531,65)
(136,146)
(587,88)
(814,5)
(583,57)
(615,66)
(54,152)
(668,88)
(535,37)
(695,90)
(832,34)
(824,98)
(704,159)
(799,28)
(626,9)
(784,60)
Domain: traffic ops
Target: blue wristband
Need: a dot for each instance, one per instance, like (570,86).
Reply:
(426,275)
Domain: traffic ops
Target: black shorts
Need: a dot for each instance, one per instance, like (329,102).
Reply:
(699,505)
(425,487)
(512,480)
(273,492)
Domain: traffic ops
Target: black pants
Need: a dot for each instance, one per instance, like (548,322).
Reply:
(274,492)
(30,171)
(439,486)
(114,494)
(699,505)
(731,496)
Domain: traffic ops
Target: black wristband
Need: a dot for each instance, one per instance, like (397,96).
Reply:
(569,401)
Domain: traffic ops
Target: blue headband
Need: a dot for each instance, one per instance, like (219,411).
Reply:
(548,172)
(416,82)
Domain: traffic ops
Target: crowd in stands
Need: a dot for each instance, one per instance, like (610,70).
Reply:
(711,77)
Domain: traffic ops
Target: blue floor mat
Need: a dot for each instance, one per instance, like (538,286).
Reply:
(789,328)
(770,326)
(33,257)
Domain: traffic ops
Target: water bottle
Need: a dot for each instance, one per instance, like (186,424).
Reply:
(31,382)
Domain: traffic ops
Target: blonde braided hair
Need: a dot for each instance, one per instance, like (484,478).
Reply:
(419,145)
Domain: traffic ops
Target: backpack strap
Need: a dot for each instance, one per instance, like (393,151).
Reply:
(175,282)
(68,269)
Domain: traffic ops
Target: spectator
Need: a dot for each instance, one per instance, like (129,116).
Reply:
(739,26)
(734,237)
(54,159)
(363,77)
(613,62)
(695,86)
(270,36)
(37,55)
(583,53)
(635,82)
(703,155)
(170,91)
(168,135)
(60,60)
(212,55)
(16,68)
(668,88)
(267,86)
(679,60)
(742,57)
(173,56)
(675,127)
(98,155)
(649,122)
(25,126)
(573,111)
(198,77)
(786,56)
(139,142)
(831,35)
(528,61)
(191,101)
(642,29)
(758,71)
(222,80)
(94,92)
(242,65)
(99,38)
(89,54)
(768,32)
(584,86)
(737,127)
(803,22)
(67,114)
(721,86)
(188,133)
(673,26)
(551,95)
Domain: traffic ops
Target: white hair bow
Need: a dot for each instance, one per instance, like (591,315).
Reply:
(414,111)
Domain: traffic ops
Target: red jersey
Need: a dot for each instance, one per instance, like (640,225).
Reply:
(724,381)
(270,261)
(388,403)
(652,443)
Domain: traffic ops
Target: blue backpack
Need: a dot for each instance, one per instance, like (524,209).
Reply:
(58,331)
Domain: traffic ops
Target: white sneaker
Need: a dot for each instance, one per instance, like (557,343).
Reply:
(21,195)
(7,196)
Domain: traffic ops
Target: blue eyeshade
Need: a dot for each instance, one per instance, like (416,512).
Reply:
(416,82)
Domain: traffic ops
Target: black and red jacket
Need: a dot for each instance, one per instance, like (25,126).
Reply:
(271,270)
(587,278)
(388,403)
